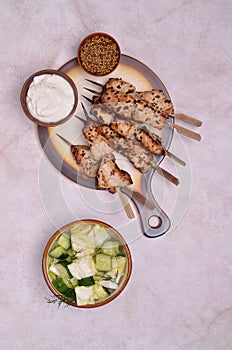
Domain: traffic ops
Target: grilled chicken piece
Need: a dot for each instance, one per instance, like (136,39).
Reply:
(108,133)
(145,113)
(131,107)
(120,103)
(127,129)
(119,85)
(158,100)
(165,106)
(90,130)
(137,155)
(99,144)
(79,152)
(103,114)
(100,147)
(88,166)
(155,98)
(152,96)
(110,176)
(123,127)
(149,141)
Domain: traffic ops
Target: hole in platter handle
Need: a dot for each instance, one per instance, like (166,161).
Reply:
(154,220)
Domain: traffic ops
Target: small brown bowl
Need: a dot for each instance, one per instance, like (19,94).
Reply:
(23,97)
(99,54)
(114,235)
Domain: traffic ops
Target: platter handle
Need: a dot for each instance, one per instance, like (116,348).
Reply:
(154,221)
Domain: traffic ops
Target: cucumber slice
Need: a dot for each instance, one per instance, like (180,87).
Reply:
(110,247)
(64,241)
(74,282)
(121,263)
(49,261)
(71,252)
(52,275)
(62,288)
(99,292)
(87,281)
(103,262)
(58,253)
(64,274)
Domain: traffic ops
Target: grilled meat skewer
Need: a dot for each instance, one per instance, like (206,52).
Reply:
(142,112)
(95,170)
(128,128)
(128,106)
(108,174)
(141,159)
(153,96)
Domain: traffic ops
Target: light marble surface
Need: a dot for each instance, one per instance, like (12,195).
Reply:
(180,293)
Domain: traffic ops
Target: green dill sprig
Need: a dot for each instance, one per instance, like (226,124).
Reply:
(55,300)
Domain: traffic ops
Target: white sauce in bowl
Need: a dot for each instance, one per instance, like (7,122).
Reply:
(50,98)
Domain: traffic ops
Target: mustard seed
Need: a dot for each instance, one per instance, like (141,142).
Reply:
(99,55)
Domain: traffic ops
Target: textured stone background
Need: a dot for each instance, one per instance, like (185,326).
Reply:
(179,296)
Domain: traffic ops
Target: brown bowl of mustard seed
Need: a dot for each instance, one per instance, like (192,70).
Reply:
(98,54)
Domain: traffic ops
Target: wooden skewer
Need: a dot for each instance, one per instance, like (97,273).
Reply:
(185,118)
(93,91)
(63,139)
(125,204)
(140,198)
(175,158)
(95,82)
(166,174)
(186,132)
(88,99)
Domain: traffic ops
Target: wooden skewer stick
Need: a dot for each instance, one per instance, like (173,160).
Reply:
(93,91)
(88,99)
(186,132)
(140,198)
(166,174)
(185,118)
(125,204)
(175,158)
(63,139)
(95,83)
